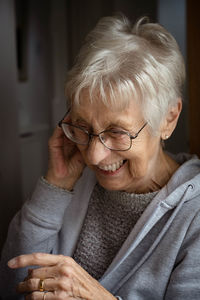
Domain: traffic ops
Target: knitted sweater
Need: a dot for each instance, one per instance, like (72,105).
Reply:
(110,217)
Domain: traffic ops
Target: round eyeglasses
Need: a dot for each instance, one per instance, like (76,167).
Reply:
(113,139)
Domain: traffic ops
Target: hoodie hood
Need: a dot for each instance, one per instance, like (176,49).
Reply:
(188,174)
(183,186)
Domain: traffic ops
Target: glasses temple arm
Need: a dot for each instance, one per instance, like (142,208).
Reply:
(136,135)
(60,122)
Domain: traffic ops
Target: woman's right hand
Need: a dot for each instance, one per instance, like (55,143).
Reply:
(65,161)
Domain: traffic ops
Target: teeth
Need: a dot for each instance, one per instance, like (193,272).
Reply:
(112,167)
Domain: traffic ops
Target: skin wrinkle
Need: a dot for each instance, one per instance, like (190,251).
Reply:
(117,124)
(147,167)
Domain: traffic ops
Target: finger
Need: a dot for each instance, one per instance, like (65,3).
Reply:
(51,272)
(49,285)
(67,118)
(59,140)
(57,137)
(56,286)
(55,266)
(41,296)
(36,259)
(59,277)
(48,296)
(65,286)
(44,272)
(57,132)
(29,285)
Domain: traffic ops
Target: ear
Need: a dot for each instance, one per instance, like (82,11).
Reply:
(171,119)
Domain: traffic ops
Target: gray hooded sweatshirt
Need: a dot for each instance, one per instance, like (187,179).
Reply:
(160,258)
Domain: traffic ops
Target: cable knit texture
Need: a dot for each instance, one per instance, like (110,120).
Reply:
(110,217)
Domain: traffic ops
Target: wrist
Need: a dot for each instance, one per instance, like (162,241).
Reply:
(63,183)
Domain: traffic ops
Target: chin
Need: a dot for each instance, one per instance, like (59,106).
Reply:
(129,184)
(111,185)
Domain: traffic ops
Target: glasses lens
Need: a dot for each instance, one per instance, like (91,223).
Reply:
(75,134)
(116,140)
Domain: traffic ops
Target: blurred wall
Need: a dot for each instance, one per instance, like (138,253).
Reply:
(10,173)
(172,15)
(26,100)
(82,16)
(34,88)
(60,57)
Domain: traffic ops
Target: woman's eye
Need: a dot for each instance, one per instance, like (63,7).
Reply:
(82,126)
(117,133)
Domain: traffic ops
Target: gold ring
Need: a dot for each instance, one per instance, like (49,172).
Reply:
(41,285)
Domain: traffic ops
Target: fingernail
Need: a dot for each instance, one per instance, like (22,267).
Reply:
(12,263)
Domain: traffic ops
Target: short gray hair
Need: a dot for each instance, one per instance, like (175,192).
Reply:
(120,61)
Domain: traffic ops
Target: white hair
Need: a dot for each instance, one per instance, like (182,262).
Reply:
(119,63)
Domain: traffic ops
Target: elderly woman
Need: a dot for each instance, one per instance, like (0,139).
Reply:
(115,217)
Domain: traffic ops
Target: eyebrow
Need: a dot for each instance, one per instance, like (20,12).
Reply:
(118,123)
(81,119)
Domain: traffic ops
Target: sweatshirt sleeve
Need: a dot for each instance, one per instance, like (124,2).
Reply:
(184,282)
(34,229)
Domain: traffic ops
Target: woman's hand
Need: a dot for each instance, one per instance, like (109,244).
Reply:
(62,279)
(65,161)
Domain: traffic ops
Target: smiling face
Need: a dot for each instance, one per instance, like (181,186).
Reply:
(134,170)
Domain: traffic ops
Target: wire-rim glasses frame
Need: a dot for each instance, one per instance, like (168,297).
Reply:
(99,135)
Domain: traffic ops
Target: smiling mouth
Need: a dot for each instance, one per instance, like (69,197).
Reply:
(112,167)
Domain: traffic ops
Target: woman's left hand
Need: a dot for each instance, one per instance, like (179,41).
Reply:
(61,277)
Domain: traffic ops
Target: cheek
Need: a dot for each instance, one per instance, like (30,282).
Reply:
(139,159)
(137,166)
(142,159)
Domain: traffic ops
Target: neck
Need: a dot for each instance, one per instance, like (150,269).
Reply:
(159,173)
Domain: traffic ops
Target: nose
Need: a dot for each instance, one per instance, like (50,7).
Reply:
(96,151)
